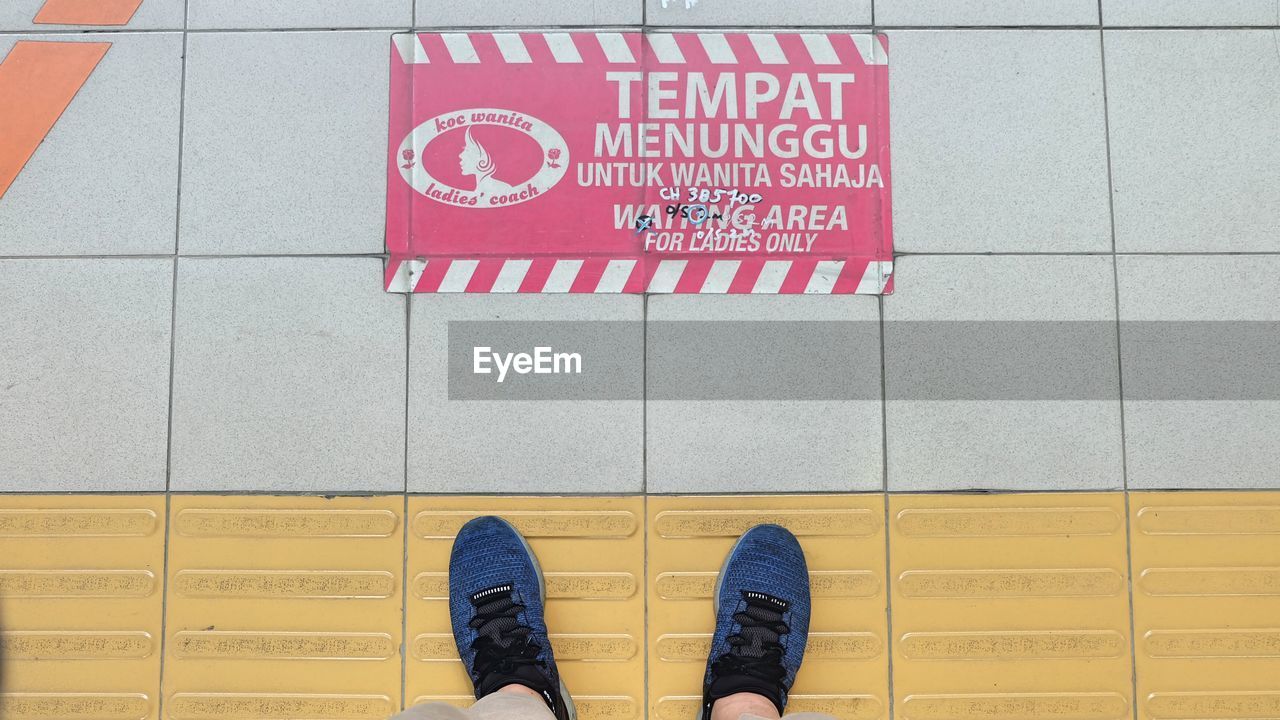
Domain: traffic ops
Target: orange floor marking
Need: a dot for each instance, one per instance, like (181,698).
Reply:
(37,82)
(87,12)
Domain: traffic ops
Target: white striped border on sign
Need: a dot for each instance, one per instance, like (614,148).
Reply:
(748,275)
(631,48)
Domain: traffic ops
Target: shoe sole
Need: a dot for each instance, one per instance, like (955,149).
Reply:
(565,697)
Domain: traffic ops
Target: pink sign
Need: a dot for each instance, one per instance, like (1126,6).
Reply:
(639,162)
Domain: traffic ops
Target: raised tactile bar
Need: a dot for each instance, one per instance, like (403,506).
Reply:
(1010,606)
(80,606)
(284,607)
(845,671)
(591,550)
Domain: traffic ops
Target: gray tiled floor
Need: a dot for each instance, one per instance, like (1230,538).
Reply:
(1215,95)
(998,441)
(519,446)
(296,373)
(751,445)
(712,13)
(503,13)
(1190,12)
(1196,443)
(298,14)
(293,161)
(999,141)
(84,374)
(152,15)
(289,375)
(987,12)
(105,179)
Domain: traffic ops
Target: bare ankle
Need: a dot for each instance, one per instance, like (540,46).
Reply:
(733,707)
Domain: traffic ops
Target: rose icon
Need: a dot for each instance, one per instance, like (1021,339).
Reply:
(408,159)
(552,156)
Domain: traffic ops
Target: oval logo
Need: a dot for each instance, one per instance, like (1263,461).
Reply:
(483,158)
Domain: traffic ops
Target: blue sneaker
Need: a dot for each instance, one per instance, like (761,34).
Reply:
(496,595)
(762,619)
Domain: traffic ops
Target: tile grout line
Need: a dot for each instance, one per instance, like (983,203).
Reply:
(644,594)
(898,253)
(644,387)
(1133,640)
(817,28)
(644,394)
(404,607)
(1115,263)
(884,470)
(164,602)
(173,352)
(1124,448)
(644,446)
(969,492)
(888,608)
(404,572)
(884,406)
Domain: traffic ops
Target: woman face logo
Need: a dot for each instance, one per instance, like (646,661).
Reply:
(538,166)
(475,160)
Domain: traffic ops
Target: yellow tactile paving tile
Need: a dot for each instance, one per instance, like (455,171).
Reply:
(284,607)
(845,671)
(592,553)
(1010,606)
(1206,598)
(80,606)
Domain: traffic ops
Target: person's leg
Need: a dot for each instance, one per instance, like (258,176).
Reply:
(433,711)
(513,702)
(762,626)
(744,706)
(798,716)
(496,592)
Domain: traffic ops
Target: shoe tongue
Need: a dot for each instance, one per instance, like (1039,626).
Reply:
(498,628)
(496,604)
(756,635)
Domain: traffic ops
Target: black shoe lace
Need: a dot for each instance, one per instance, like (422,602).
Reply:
(755,650)
(503,643)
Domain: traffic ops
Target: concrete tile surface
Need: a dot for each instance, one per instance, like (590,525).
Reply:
(294,161)
(151,15)
(288,375)
(521,446)
(986,12)
(992,434)
(1202,442)
(746,444)
(999,141)
(1190,12)
(84,374)
(713,13)
(104,181)
(291,373)
(1195,139)
(299,14)
(501,13)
